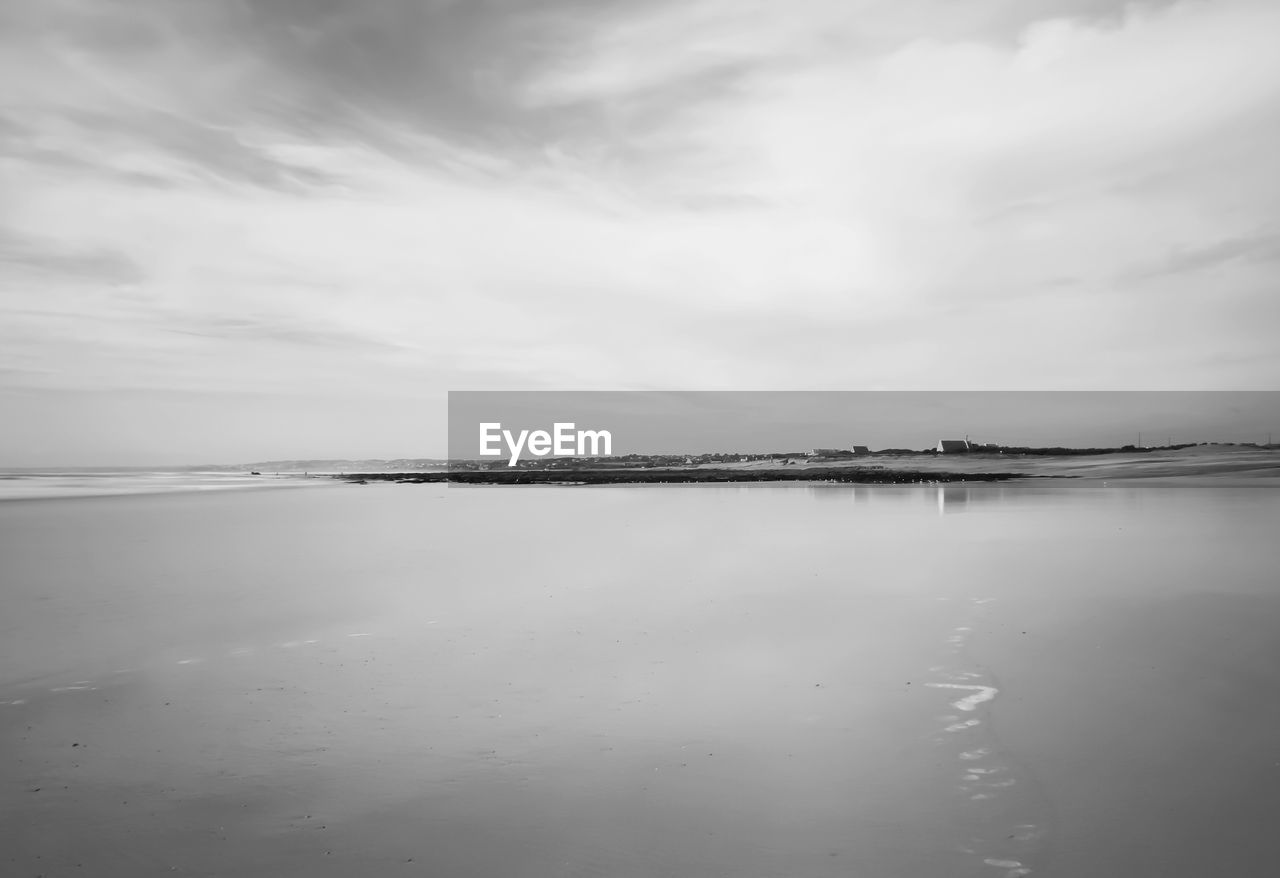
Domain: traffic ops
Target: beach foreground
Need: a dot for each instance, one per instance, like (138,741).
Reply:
(946,680)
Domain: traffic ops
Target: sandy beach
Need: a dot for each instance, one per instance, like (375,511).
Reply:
(905,680)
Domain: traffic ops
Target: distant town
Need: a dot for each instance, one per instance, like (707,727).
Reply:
(959,453)
(947,460)
(854,453)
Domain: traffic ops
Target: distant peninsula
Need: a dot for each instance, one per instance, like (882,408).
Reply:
(676,475)
(892,466)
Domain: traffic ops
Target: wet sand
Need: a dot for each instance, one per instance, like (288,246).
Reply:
(1150,726)
(753,680)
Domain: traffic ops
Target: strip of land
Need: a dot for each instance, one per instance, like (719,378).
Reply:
(1181,463)
(677,475)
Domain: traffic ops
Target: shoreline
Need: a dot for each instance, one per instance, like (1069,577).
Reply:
(1212,464)
(1182,467)
(599,476)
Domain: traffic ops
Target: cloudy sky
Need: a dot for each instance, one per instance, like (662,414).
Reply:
(248,229)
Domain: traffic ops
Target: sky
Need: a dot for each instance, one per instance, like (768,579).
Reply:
(259,229)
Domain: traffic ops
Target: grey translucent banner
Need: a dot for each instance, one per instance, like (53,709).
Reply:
(499,428)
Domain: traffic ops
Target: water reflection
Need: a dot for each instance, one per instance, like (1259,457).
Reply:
(946,497)
(952,498)
(840,493)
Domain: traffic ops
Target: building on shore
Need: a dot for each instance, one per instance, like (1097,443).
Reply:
(860,449)
(952,446)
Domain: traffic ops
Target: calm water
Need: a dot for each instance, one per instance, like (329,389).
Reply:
(1073,680)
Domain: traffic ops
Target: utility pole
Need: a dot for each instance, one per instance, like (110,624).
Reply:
(1139,438)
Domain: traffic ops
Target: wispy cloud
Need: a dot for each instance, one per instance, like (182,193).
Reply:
(67,262)
(1260,246)
(285,329)
(408,196)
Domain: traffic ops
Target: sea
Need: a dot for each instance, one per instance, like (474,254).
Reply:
(228,675)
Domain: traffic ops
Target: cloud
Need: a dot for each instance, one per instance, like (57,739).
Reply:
(45,256)
(285,329)
(400,197)
(1261,246)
